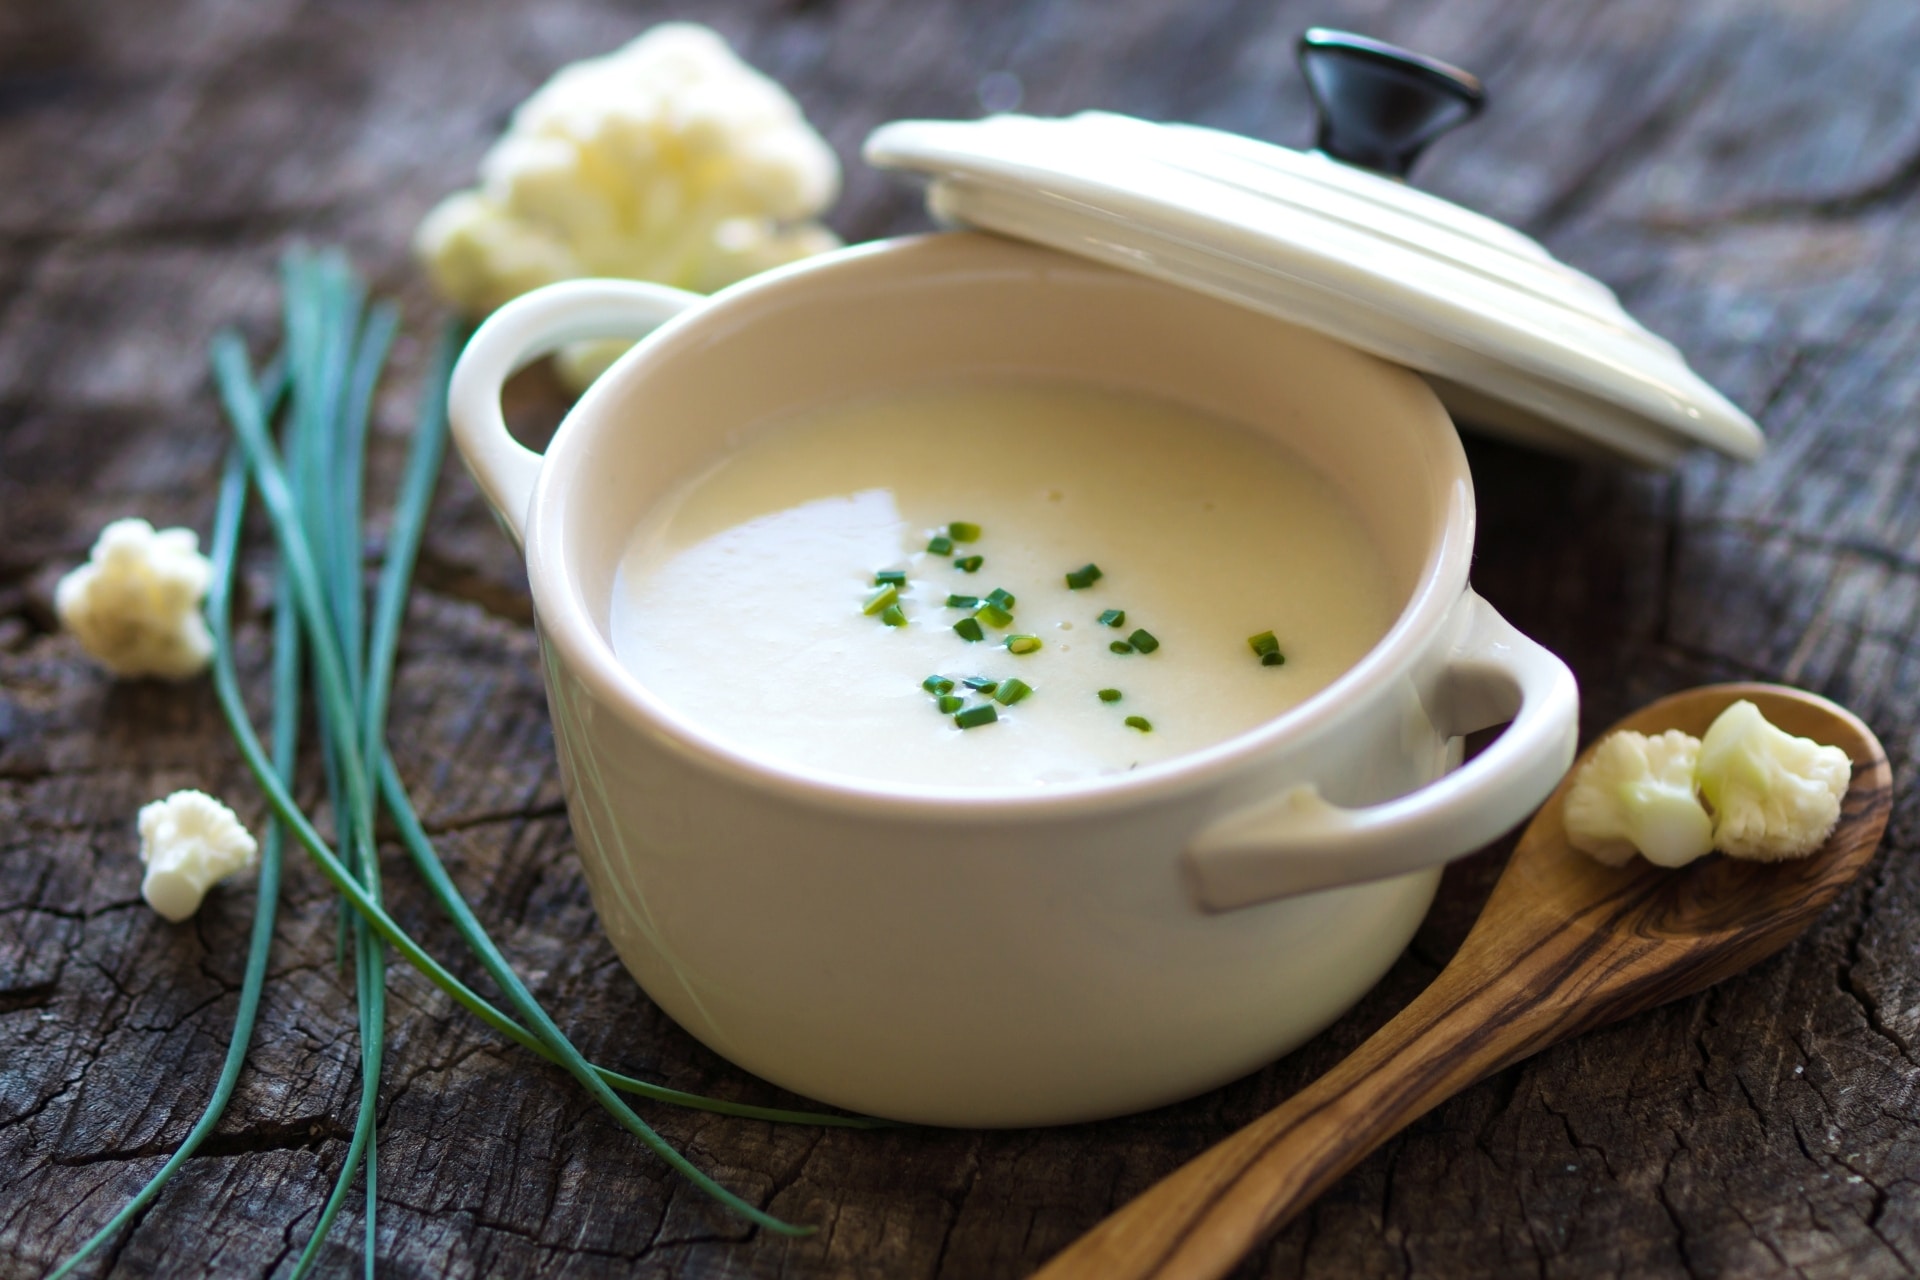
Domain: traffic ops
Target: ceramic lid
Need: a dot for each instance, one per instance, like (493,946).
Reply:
(1513,340)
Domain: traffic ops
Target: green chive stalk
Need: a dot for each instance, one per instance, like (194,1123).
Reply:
(334,381)
(315,290)
(337,685)
(286,737)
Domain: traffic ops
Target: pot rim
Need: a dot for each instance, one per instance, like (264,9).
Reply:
(565,620)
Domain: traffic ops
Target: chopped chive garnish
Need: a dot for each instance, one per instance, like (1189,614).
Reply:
(963,602)
(937,685)
(1083,577)
(968,629)
(940,546)
(1268,648)
(1141,723)
(1121,646)
(1022,644)
(1001,597)
(950,703)
(1113,618)
(994,616)
(883,599)
(1144,641)
(1109,695)
(1011,691)
(980,683)
(893,616)
(974,717)
(962,531)
(969,564)
(890,578)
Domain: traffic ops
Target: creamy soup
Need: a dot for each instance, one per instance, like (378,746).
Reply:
(756,600)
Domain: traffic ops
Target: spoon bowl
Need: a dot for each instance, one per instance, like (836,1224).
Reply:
(1564,944)
(1691,927)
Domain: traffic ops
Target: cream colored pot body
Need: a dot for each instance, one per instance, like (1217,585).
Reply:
(1026,957)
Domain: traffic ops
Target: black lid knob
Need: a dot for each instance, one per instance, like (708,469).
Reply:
(1380,105)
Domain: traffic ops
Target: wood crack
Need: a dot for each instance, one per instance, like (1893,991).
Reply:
(455,581)
(1895,187)
(308,1133)
(253,225)
(30,996)
(469,822)
(1855,990)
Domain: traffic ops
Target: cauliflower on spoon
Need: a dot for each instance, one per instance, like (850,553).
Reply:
(1748,789)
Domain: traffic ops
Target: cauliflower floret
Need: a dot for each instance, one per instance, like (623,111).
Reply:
(189,841)
(668,160)
(135,605)
(1637,793)
(1774,796)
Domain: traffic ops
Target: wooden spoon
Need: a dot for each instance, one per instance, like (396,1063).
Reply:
(1563,945)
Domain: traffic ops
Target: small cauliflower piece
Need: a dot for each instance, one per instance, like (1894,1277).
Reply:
(668,160)
(1774,796)
(189,841)
(1636,793)
(134,606)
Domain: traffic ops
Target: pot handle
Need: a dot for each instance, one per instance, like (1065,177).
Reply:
(1298,843)
(531,326)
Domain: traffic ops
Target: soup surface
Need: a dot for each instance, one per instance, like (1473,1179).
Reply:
(743,601)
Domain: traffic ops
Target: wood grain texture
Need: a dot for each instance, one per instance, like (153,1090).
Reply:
(1563,945)
(1744,172)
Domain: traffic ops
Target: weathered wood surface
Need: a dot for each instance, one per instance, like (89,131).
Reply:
(1743,171)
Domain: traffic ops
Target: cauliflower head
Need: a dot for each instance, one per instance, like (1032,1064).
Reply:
(668,160)
(1636,793)
(189,841)
(1774,796)
(134,606)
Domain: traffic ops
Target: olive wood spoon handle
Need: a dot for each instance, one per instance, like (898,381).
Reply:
(1563,945)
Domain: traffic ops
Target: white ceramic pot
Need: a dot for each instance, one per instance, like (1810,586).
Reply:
(1029,957)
